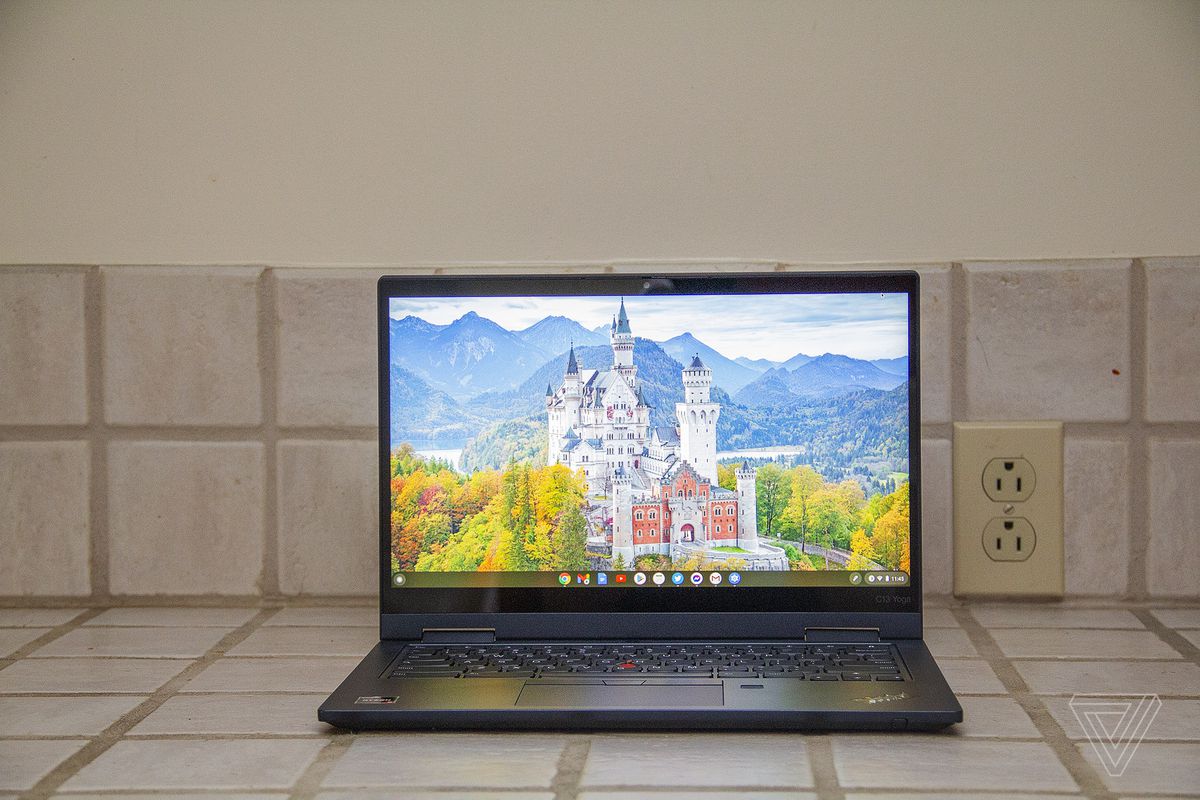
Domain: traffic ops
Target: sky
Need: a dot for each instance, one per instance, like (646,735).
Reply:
(775,327)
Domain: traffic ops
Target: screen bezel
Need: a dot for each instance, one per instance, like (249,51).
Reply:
(454,603)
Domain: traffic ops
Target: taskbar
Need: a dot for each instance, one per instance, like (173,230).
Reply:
(657,579)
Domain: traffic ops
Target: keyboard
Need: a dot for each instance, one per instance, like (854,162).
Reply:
(813,662)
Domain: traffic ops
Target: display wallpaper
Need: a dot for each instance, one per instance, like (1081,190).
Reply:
(748,433)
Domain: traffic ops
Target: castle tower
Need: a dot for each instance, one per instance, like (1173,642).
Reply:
(697,417)
(747,508)
(622,513)
(572,391)
(621,338)
(555,427)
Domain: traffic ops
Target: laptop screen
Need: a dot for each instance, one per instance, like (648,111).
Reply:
(655,441)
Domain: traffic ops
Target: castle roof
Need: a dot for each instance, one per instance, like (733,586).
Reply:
(549,391)
(697,363)
(721,491)
(622,319)
(572,364)
(666,435)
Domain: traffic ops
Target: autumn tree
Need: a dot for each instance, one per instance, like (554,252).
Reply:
(727,476)
(862,554)
(891,537)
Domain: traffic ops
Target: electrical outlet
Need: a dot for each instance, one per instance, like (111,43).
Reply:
(1008,500)
(1009,539)
(1009,480)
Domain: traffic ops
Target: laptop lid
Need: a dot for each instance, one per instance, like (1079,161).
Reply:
(650,456)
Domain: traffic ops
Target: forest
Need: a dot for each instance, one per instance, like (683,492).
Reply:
(799,510)
(529,518)
(524,519)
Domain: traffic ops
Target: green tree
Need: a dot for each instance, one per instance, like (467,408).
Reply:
(772,489)
(572,540)
(828,521)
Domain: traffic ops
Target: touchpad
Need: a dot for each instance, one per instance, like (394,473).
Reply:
(625,696)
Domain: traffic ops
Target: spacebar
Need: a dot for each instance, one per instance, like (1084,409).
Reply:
(518,673)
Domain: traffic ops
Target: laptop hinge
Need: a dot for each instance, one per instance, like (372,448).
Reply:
(841,634)
(458,635)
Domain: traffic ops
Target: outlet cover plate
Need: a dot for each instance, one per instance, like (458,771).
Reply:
(976,574)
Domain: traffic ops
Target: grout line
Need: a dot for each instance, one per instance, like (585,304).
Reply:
(357,433)
(1169,635)
(93,314)
(569,770)
(823,766)
(1139,441)
(220,433)
(958,343)
(268,374)
(56,632)
(100,743)
(1087,779)
(309,783)
(195,601)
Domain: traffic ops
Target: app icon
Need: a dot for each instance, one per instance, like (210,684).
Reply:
(677,578)
(602,579)
(697,579)
(856,578)
(564,578)
(584,577)
(735,578)
(714,578)
(870,579)
(620,577)
(639,578)
(659,578)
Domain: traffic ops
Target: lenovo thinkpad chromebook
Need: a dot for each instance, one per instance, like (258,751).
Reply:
(630,501)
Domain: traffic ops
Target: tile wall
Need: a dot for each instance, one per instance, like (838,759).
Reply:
(195,431)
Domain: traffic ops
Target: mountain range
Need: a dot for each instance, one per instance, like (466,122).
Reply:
(825,376)
(474,356)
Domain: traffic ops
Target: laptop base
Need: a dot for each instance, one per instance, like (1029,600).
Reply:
(369,700)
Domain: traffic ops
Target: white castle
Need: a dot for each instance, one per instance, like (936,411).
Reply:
(661,481)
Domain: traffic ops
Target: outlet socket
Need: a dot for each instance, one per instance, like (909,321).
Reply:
(1008,519)
(1009,480)
(1009,539)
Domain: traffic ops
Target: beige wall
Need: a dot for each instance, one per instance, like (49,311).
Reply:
(302,132)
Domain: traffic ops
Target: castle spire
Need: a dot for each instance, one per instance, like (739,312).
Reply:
(623,319)
(572,365)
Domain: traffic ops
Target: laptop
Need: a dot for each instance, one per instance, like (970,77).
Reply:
(649,501)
